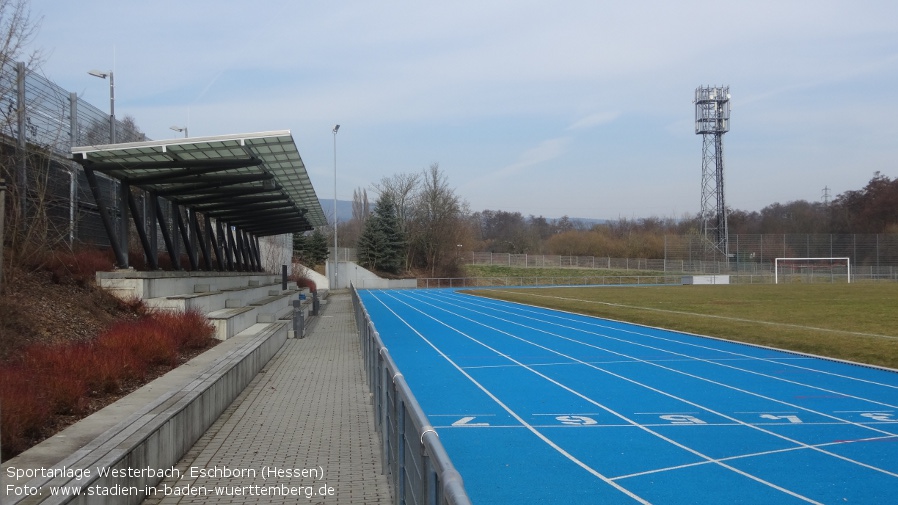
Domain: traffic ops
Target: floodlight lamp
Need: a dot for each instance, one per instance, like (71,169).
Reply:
(336,127)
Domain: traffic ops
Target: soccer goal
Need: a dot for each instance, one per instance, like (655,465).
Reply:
(811,269)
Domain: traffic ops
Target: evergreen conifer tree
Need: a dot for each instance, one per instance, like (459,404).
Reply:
(382,243)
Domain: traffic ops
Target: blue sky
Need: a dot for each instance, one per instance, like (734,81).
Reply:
(578,108)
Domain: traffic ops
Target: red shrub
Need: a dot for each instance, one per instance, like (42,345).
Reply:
(62,383)
(22,412)
(146,338)
(78,266)
(57,379)
(307,283)
(114,362)
(190,329)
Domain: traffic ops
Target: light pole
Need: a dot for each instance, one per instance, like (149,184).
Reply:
(336,127)
(179,129)
(103,75)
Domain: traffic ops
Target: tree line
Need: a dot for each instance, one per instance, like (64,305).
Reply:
(419,225)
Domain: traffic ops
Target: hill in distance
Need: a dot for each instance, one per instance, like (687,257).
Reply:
(344,213)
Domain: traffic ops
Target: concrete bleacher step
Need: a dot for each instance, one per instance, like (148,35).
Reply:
(127,284)
(207,301)
(229,322)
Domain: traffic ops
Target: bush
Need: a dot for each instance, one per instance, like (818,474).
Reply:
(304,282)
(191,329)
(22,411)
(79,267)
(58,379)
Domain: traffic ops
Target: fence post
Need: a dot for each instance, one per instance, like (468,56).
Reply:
(21,144)
(2,230)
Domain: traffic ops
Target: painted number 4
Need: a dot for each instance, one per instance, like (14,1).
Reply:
(881,416)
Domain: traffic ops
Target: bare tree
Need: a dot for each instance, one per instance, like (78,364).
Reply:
(17,29)
(352,230)
(401,188)
(439,222)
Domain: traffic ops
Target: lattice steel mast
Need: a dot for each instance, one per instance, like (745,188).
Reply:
(712,120)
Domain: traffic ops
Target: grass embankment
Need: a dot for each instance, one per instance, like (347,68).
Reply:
(856,322)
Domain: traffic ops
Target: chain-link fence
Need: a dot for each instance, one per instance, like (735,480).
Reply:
(749,253)
(39,124)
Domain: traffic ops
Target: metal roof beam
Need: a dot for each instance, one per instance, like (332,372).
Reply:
(112,166)
(238,203)
(280,230)
(246,210)
(272,219)
(225,196)
(170,177)
(213,183)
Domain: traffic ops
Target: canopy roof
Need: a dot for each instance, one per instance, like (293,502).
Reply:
(254,181)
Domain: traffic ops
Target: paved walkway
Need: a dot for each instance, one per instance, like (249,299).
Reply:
(301,432)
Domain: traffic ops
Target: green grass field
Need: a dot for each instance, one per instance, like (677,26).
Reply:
(511,271)
(855,322)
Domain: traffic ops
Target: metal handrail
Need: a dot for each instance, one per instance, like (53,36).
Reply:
(419,467)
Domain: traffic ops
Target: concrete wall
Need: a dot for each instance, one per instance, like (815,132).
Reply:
(705,279)
(350,272)
(321,281)
(275,251)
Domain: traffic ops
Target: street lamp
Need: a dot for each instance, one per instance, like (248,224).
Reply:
(103,75)
(179,129)
(336,127)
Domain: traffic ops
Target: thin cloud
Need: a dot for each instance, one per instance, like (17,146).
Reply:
(596,119)
(547,150)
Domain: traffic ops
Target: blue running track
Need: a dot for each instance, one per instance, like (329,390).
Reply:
(541,406)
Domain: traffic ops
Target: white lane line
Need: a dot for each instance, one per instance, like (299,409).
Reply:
(670,395)
(712,316)
(579,320)
(655,362)
(756,454)
(512,413)
(582,396)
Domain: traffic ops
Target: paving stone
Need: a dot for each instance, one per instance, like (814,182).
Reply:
(308,410)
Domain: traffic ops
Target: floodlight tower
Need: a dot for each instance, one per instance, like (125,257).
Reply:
(712,120)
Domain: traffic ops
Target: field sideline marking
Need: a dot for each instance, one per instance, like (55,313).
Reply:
(594,402)
(682,313)
(511,412)
(671,395)
(779,361)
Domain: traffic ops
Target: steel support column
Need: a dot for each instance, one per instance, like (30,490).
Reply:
(139,225)
(121,257)
(173,254)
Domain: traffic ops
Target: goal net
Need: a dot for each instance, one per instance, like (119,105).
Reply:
(811,270)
